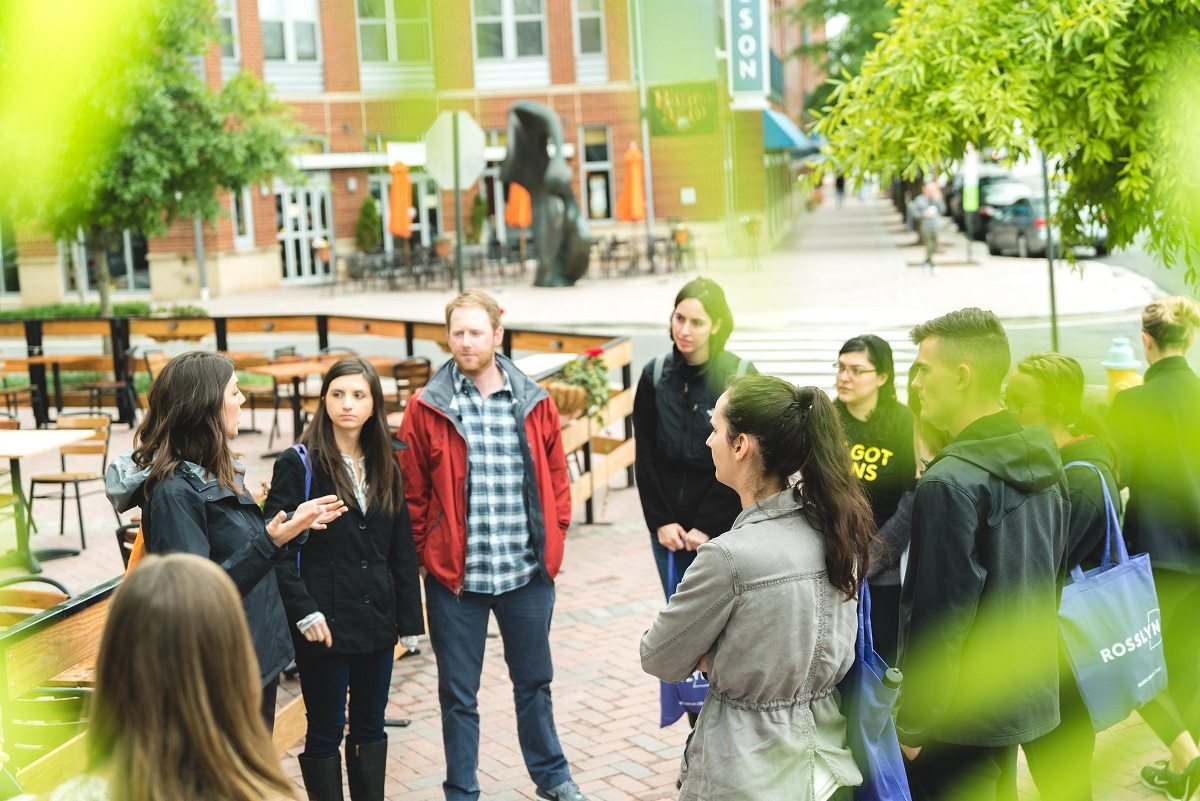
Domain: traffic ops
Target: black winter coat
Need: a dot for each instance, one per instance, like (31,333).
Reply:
(979,604)
(185,513)
(1157,430)
(360,572)
(676,480)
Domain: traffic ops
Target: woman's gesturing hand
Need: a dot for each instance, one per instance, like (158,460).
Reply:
(316,514)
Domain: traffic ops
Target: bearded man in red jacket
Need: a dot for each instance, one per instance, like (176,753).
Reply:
(486,482)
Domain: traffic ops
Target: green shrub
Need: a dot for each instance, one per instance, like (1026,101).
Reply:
(368,233)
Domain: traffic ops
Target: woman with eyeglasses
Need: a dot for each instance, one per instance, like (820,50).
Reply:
(682,500)
(1046,390)
(879,433)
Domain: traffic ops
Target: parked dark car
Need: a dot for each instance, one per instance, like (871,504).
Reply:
(1020,229)
(988,173)
(996,195)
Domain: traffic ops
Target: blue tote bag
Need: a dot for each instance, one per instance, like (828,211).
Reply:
(675,698)
(867,704)
(1111,626)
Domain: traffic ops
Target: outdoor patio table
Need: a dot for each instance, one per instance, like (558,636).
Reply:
(14,446)
(294,372)
(41,411)
(245,359)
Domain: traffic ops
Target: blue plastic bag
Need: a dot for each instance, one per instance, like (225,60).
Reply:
(675,698)
(867,705)
(1110,622)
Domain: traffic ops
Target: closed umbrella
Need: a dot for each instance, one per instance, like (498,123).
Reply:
(631,204)
(400,204)
(519,211)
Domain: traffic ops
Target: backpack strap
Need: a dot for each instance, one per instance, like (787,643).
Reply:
(302,451)
(660,362)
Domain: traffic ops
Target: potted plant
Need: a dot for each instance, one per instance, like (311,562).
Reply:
(441,247)
(581,387)
(368,232)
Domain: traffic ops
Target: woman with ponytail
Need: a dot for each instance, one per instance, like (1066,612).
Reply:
(1157,430)
(1046,390)
(769,609)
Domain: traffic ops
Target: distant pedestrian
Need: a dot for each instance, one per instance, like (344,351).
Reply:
(879,434)
(769,609)
(193,497)
(487,486)
(839,185)
(353,588)
(927,211)
(1046,390)
(1157,429)
(979,605)
(175,713)
(683,502)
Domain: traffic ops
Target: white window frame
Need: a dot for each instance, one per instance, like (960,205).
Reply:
(229,8)
(586,167)
(578,17)
(242,242)
(390,21)
(508,20)
(289,20)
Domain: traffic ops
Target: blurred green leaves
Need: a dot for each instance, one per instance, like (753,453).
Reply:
(1105,87)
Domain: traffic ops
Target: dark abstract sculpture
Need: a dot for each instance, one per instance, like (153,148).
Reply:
(559,230)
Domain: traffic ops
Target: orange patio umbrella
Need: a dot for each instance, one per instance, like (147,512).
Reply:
(519,211)
(631,204)
(400,202)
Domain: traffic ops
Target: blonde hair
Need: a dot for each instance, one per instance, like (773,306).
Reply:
(1172,321)
(476,298)
(177,707)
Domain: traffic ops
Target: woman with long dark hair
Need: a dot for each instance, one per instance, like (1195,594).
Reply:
(175,713)
(879,433)
(353,588)
(1157,430)
(683,503)
(193,496)
(769,609)
(1046,389)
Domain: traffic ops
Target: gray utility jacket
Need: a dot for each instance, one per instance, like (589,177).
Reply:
(758,603)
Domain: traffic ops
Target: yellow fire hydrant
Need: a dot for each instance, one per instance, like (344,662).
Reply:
(1122,367)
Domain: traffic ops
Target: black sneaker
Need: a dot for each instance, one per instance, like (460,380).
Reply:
(1176,786)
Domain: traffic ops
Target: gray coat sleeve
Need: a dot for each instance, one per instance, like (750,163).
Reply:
(694,618)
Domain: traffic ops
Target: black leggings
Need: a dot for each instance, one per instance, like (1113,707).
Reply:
(1177,709)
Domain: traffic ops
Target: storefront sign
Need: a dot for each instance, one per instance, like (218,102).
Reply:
(682,109)
(748,42)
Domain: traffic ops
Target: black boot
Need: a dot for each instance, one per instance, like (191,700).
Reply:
(365,766)
(322,777)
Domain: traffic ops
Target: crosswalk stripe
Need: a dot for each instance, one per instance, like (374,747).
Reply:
(805,357)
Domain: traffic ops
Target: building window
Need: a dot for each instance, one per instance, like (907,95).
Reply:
(227,17)
(393,30)
(289,30)
(597,172)
(589,26)
(508,29)
(243,219)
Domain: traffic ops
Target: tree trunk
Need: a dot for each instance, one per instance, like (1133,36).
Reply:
(103,281)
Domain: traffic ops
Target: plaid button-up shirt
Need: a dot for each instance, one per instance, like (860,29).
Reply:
(499,555)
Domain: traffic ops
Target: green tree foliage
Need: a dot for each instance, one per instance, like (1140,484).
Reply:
(840,55)
(1107,88)
(171,144)
(368,234)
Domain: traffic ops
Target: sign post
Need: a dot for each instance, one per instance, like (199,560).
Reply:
(454,159)
(749,62)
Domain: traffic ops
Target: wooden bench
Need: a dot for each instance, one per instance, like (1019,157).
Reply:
(33,653)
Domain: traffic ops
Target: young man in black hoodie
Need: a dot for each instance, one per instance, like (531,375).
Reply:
(978,611)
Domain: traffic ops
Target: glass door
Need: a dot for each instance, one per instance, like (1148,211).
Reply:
(302,218)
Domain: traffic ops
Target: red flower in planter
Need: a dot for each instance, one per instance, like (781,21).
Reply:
(595,353)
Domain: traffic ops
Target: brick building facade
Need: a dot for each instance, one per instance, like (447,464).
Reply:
(361,74)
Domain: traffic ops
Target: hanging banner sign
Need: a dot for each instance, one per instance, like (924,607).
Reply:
(748,44)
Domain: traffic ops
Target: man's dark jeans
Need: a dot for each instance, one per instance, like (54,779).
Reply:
(457,631)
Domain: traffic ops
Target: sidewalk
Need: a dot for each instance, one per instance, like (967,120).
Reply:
(854,266)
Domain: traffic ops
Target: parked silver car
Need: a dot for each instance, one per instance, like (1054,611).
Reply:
(1020,229)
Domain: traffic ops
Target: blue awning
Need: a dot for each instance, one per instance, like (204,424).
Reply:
(780,133)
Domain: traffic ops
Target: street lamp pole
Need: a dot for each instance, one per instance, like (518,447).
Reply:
(1049,251)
